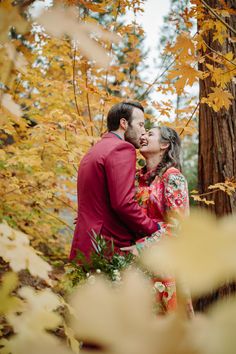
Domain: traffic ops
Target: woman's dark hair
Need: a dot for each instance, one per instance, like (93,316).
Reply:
(171,157)
(121,110)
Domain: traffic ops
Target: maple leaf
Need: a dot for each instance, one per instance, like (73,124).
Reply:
(220,76)
(99,7)
(229,186)
(74,344)
(78,32)
(105,318)
(216,329)
(36,316)
(184,46)
(201,237)
(12,107)
(9,17)
(15,249)
(184,74)
(220,32)
(164,108)
(9,303)
(37,342)
(199,198)
(218,99)
(18,58)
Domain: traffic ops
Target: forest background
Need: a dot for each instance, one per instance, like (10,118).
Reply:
(59,75)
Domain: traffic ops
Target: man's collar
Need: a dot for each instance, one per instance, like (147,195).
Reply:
(118,136)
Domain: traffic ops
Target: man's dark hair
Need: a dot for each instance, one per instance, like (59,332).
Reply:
(121,110)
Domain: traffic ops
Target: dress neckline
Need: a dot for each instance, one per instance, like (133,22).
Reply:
(144,175)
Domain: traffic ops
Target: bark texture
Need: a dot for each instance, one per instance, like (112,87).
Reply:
(217,130)
(217,147)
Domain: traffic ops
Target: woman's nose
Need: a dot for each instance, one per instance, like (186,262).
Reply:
(143,138)
(144,135)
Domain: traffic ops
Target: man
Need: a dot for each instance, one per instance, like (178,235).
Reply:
(106,190)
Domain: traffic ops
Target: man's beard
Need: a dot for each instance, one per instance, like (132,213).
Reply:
(132,137)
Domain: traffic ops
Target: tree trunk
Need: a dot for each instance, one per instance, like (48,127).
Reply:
(217,146)
(217,130)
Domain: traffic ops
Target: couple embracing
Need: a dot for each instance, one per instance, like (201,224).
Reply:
(130,208)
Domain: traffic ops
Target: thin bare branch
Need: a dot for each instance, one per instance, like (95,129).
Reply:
(189,120)
(215,14)
(107,71)
(55,217)
(150,86)
(75,97)
(88,101)
(219,54)
(66,204)
(38,189)
(8,76)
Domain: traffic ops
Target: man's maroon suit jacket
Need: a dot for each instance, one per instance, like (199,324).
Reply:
(106,196)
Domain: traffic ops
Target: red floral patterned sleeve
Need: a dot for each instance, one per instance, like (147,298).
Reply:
(176,194)
(175,203)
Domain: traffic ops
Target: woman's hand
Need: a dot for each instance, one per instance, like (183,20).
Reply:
(131,249)
(190,309)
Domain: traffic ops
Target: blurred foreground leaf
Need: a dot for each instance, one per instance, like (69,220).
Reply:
(203,254)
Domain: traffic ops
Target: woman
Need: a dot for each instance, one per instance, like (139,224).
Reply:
(162,190)
(163,194)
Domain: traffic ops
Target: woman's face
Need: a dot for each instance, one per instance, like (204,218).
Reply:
(150,143)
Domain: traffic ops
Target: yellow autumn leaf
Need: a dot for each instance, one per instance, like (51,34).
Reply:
(221,76)
(230,56)
(107,317)
(96,7)
(184,74)
(194,191)
(213,333)
(41,300)
(38,343)
(201,44)
(229,186)
(10,17)
(184,45)
(203,253)
(15,249)
(220,33)
(9,104)
(9,303)
(35,318)
(18,58)
(200,198)
(74,344)
(218,99)
(209,202)
(110,318)
(80,32)
(2,154)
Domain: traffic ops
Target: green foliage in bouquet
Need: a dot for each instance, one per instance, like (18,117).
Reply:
(104,259)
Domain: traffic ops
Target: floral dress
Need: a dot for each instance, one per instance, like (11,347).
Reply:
(165,200)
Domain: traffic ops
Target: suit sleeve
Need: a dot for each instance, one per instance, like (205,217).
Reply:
(120,169)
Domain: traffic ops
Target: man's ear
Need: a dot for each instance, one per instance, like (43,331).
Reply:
(123,123)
